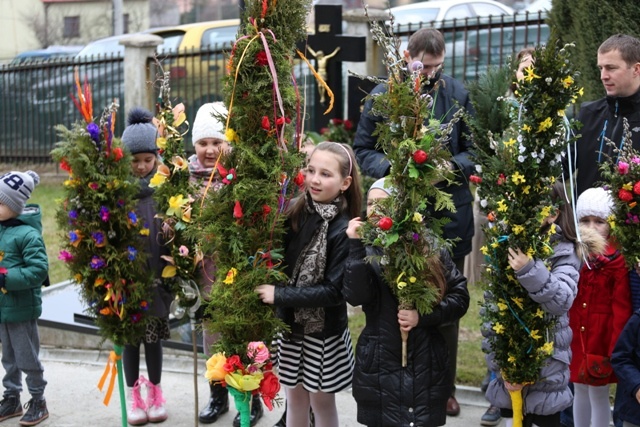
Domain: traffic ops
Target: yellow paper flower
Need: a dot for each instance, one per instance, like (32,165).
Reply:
(484,250)
(502,206)
(535,334)
(412,279)
(526,128)
(231,276)
(547,348)
(510,143)
(568,81)
(169,271)
(179,162)
(215,367)
(511,359)
(231,135)
(518,178)
(175,205)
(525,189)
(417,217)
(161,142)
(518,302)
(539,313)
(517,229)
(244,382)
(157,180)
(545,124)
(529,74)
(502,306)
(498,328)
(628,186)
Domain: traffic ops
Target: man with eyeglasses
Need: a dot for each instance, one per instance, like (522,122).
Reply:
(427,47)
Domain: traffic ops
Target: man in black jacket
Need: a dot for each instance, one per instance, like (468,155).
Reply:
(427,46)
(619,64)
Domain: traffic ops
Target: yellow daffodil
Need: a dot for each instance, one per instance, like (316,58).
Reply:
(175,205)
(161,142)
(244,382)
(186,213)
(178,115)
(568,81)
(535,334)
(498,328)
(417,217)
(518,301)
(502,206)
(529,74)
(169,271)
(545,124)
(179,163)
(157,180)
(547,348)
(517,229)
(231,276)
(518,178)
(215,367)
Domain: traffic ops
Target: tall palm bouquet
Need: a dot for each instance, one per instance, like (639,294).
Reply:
(518,165)
(414,142)
(243,224)
(101,235)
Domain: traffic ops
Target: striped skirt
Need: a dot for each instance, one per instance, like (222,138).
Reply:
(319,364)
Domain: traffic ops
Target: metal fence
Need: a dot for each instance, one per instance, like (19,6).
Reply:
(35,97)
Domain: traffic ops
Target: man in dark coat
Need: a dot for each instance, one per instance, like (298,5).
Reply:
(427,46)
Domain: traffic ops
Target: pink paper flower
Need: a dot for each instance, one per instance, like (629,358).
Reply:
(258,352)
(623,168)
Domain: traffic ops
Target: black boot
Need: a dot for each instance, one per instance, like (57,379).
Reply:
(10,406)
(256,412)
(283,419)
(218,404)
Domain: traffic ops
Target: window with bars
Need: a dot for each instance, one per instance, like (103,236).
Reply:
(71,27)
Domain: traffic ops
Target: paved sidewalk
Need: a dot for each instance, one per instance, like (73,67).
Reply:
(74,400)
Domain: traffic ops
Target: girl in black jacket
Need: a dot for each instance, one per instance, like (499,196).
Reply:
(386,393)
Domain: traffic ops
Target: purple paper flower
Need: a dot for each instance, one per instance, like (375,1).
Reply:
(135,318)
(120,203)
(98,238)
(416,237)
(104,213)
(132,253)
(97,263)
(73,214)
(94,132)
(133,219)
(65,256)
(73,237)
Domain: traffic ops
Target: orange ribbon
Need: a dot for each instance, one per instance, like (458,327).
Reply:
(113,359)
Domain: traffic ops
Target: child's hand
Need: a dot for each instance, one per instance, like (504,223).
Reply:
(265,293)
(353,230)
(408,319)
(517,259)
(513,387)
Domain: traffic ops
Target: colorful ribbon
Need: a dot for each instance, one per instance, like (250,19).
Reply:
(113,360)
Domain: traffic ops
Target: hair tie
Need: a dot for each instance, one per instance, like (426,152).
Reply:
(348,155)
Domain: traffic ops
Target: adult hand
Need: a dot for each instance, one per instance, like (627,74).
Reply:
(513,387)
(265,293)
(353,229)
(518,259)
(408,319)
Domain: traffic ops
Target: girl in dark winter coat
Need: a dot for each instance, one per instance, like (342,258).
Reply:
(626,364)
(552,283)
(386,393)
(598,315)
(139,137)
(315,359)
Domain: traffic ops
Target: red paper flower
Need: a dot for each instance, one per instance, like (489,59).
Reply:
(348,124)
(237,210)
(636,187)
(118,154)
(502,179)
(229,176)
(261,58)
(266,210)
(65,166)
(475,179)
(336,121)
(299,179)
(385,223)
(420,156)
(266,124)
(269,388)
(625,195)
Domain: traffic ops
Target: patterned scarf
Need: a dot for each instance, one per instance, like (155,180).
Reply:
(310,265)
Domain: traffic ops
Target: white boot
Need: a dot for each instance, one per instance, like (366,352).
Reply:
(155,403)
(136,414)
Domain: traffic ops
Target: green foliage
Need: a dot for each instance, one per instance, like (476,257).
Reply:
(622,175)
(101,242)
(243,224)
(518,168)
(588,23)
(418,155)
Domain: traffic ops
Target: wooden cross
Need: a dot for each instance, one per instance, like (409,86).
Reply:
(330,48)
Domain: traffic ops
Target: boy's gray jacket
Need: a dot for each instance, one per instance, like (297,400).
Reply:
(25,259)
(554,288)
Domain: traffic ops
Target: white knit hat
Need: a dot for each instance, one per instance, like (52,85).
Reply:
(594,202)
(16,188)
(208,124)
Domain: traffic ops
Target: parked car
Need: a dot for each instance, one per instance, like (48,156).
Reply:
(434,12)
(101,63)
(51,52)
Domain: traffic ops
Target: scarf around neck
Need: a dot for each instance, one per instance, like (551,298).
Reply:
(311,263)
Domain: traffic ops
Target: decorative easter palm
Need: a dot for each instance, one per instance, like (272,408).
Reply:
(518,165)
(418,155)
(101,241)
(243,223)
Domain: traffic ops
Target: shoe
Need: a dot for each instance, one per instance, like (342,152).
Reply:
(218,404)
(36,412)
(256,413)
(453,408)
(491,417)
(137,412)
(10,407)
(156,411)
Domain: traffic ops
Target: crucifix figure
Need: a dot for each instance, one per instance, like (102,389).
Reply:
(322,67)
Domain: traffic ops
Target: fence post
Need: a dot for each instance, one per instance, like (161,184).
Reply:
(358,24)
(137,49)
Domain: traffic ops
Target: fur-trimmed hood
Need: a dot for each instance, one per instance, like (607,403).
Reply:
(590,243)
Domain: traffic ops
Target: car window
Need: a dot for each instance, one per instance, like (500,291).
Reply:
(413,16)
(486,9)
(219,36)
(170,41)
(459,11)
(102,47)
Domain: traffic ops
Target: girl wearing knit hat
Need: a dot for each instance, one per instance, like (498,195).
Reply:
(598,315)
(139,138)
(209,140)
